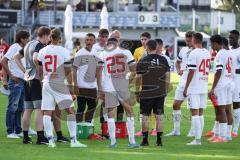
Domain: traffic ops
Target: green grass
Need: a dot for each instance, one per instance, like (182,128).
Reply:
(174,147)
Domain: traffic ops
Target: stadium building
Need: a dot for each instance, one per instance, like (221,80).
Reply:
(161,18)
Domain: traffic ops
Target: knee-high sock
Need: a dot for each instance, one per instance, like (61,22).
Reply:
(202,123)
(223,130)
(229,130)
(214,126)
(131,130)
(48,128)
(71,123)
(197,127)
(217,129)
(140,121)
(176,120)
(236,120)
(112,130)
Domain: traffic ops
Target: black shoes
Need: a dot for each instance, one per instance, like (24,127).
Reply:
(42,140)
(62,139)
(27,140)
(144,144)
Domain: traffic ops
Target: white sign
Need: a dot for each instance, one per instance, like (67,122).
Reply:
(148,18)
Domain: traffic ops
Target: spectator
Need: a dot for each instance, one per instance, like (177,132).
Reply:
(80,6)
(77,46)
(34,7)
(140,7)
(92,7)
(150,6)
(126,7)
(99,6)
(167,47)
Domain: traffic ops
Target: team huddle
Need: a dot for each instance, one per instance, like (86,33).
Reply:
(44,77)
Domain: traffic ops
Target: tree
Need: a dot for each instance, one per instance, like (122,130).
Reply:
(230,5)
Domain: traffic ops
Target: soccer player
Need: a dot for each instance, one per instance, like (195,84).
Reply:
(235,53)
(15,85)
(96,50)
(116,64)
(55,67)
(196,87)
(84,76)
(120,111)
(181,67)
(153,74)
(221,88)
(33,99)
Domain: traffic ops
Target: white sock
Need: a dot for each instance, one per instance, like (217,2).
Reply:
(140,121)
(131,130)
(176,120)
(202,123)
(229,130)
(236,120)
(191,131)
(197,127)
(217,129)
(223,130)
(71,123)
(214,126)
(112,130)
(48,128)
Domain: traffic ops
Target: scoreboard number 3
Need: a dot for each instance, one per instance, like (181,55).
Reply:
(148,18)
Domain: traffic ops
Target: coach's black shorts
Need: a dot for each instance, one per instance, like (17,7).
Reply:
(33,94)
(155,104)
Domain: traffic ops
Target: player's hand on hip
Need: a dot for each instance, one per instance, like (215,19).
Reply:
(5,85)
(15,79)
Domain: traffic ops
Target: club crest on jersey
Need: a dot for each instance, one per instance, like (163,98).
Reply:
(155,61)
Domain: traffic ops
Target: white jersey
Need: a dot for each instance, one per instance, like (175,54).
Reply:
(183,58)
(97,49)
(54,58)
(235,53)
(13,67)
(115,69)
(223,61)
(86,73)
(199,61)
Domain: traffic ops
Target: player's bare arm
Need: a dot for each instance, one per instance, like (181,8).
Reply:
(99,81)
(76,91)
(4,63)
(215,81)
(40,71)
(138,86)
(4,79)
(189,79)
(178,67)
(17,59)
(69,76)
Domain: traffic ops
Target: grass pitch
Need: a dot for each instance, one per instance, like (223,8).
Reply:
(174,147)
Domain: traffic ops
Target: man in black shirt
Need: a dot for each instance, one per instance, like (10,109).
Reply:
(153,76)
